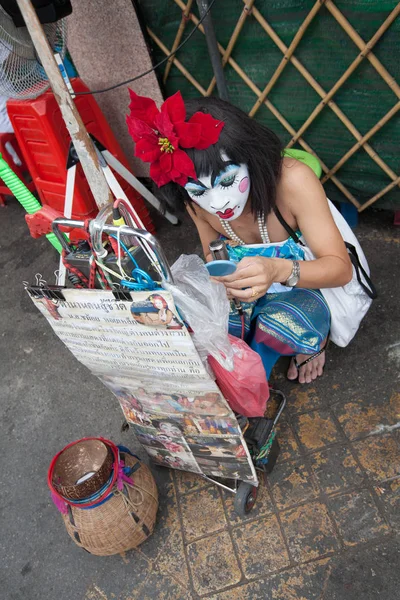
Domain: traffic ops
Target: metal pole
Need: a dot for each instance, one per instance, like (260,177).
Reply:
(213,51)
(80,137)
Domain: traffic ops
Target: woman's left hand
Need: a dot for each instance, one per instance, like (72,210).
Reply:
(251,280)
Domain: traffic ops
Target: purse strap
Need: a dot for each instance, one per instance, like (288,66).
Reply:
(290,231)
(369,289)
(368,286)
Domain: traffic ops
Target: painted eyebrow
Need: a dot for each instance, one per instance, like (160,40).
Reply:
(216,175)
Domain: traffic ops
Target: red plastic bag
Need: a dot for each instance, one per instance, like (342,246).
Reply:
(246,387)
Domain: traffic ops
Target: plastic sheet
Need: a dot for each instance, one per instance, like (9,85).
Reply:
(204,306)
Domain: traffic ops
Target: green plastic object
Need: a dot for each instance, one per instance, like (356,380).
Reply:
(24,196)
(305,157)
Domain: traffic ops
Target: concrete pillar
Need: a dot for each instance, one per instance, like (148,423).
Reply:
(107,46)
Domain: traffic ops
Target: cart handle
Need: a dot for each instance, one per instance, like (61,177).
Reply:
(281,407)
(139,233)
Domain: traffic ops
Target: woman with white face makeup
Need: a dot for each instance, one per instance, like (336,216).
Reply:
(230,174)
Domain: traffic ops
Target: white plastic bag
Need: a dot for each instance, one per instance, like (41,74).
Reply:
(348,304)
(204,306)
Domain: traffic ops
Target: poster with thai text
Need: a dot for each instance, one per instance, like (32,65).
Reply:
(141,350)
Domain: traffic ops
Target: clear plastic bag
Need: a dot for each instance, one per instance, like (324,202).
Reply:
(204,306)
(246,387)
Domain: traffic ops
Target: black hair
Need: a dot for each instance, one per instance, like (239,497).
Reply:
(243,140)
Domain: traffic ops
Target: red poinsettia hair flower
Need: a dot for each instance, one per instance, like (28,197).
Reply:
(161,135)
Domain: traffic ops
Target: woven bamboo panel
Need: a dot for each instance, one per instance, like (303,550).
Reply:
(323,75)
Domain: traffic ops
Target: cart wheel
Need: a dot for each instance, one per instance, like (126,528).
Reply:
(245,498)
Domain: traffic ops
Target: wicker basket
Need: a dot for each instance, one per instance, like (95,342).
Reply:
(90,458)
(122,522)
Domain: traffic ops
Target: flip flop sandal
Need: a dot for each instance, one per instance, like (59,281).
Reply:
(309,359)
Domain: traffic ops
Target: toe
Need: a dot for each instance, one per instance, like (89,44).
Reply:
(314,372)
(309,375)
(292,373)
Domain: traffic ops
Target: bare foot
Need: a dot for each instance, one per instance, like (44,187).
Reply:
(307,373)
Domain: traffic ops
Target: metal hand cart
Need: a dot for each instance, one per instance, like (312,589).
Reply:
(259,433)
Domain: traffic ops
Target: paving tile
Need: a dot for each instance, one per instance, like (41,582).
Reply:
(290,484)
(357,517)
(396,435)
(261,548)
(132,567)
(389,494)
(394,408)
(167,522)
(367,572)
(213,563)
(287,442)
(172,559)
(309,531)
(202,513)
(316,429)
(299,583)
(335,469)
(379,455)
(161,587)
(303,399)
(188,482)
(262,507)
(361,417)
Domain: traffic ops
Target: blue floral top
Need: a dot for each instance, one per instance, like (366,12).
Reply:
(286,249)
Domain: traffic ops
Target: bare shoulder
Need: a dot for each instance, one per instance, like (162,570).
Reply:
(298,184)
(295,173)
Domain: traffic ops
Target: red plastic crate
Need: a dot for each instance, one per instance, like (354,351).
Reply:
(44,142)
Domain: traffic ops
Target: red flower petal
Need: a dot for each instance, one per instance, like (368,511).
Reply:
(182,180)
(163,123)
(182,163)
(166,161)
(210,129)
(138,128)
(175,108)
(159,176)
(147,148)
(188,134)
(143,108)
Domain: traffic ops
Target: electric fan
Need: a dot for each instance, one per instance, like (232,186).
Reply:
(21,74)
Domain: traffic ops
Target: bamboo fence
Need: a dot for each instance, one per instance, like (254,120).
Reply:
(249,11)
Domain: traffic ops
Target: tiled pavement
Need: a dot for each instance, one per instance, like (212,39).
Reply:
(332,499)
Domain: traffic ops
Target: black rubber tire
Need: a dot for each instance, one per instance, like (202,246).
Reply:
(245,498)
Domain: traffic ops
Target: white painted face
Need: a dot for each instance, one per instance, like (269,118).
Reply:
(225,195)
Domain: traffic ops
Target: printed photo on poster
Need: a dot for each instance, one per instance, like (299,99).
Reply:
(184,462)
(156,312)
(163,442)
(237,469)
(49,307)
(227,447)
(167,426)
(207,403)
(216,426)
(128,399)
(135,416)
(184,425)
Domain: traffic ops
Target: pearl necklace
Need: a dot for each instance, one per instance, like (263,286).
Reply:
(261,226)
